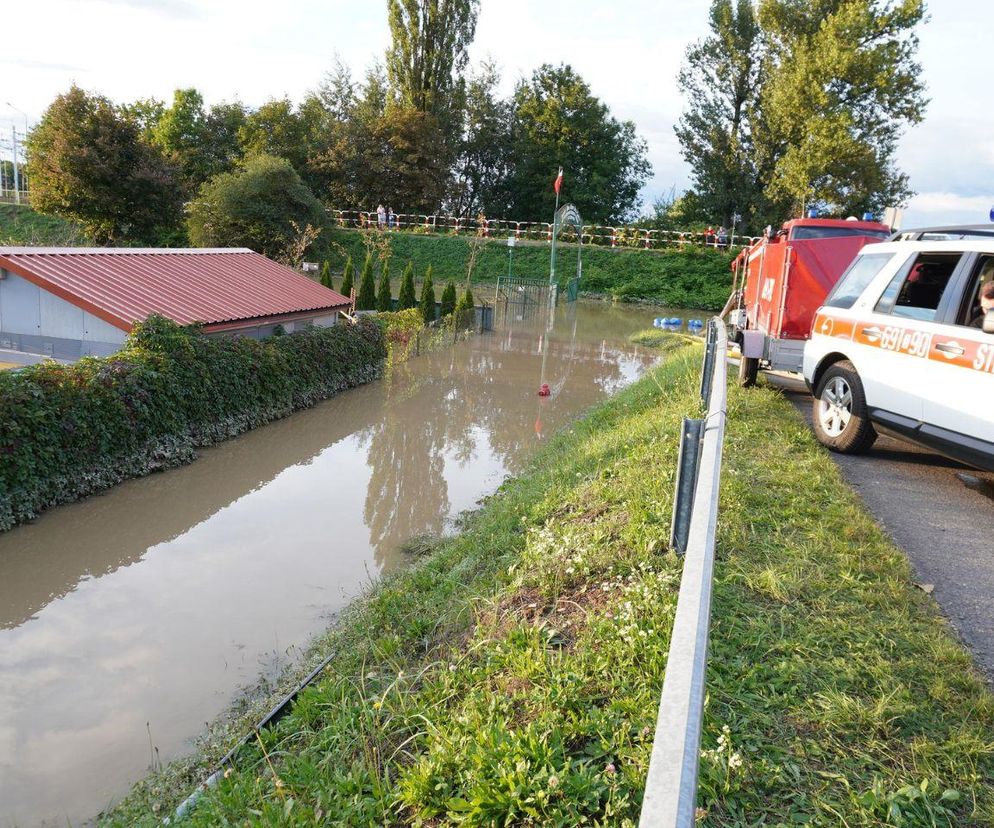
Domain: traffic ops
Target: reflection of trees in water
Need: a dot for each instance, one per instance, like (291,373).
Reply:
(442,404)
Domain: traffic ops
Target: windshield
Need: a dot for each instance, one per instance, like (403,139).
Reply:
(835,233)
(854,281)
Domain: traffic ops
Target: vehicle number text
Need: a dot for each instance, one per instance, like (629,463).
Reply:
(914,343)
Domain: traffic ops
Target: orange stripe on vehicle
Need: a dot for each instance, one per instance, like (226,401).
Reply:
(836,327)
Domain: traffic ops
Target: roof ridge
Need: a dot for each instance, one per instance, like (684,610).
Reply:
(123,251)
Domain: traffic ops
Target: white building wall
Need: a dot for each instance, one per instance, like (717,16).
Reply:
(36,321)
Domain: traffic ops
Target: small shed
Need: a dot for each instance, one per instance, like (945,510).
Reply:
(73,302)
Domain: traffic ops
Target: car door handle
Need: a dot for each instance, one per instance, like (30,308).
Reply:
(951,348)
(871,333)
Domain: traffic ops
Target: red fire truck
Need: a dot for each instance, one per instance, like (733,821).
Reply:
(781,280)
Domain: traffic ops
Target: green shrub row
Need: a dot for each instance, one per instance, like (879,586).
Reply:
(690,277)
(70,430)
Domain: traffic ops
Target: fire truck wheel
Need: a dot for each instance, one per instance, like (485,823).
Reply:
(839,412)
(748,370)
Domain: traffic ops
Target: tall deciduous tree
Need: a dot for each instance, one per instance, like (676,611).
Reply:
(558,122)
(720,82)
(428,50)
(480,176)
(88,163)
(801,102)
(842,83)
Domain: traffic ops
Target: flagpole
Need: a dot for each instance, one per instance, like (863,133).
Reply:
(552,271)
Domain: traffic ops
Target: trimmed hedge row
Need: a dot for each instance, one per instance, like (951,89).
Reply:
(689,278)
(71,430)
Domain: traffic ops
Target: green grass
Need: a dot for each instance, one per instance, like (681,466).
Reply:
(24,227)
(689,278)
(512,676)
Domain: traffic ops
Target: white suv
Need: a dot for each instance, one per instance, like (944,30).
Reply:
(902,346)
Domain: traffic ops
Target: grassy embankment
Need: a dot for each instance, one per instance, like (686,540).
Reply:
(688,278)
(512,676)
(23,226)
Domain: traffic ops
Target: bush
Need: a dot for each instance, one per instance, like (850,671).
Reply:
(366,300)
(407,298)
(263,206)
(70,430)
(448,299)
(428,298)
(348,278)
(383,290)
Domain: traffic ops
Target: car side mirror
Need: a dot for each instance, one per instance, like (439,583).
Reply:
(989,322)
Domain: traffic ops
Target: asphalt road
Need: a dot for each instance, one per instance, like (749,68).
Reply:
(940,513)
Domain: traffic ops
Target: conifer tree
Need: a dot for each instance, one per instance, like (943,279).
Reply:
(428,298)
(407,298)
(449,299)
(326,275)
(383,289)
(348,278)
(366,299)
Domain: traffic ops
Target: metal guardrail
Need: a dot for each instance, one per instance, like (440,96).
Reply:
(670,799)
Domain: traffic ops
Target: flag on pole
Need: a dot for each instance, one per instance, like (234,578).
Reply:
(559,181)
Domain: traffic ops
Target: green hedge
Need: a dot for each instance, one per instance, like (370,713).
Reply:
(70,430)
(689,278)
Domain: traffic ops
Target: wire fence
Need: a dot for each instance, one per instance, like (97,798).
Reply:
(625,236)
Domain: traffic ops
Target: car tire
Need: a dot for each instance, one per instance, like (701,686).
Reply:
(839,412)
(748,371)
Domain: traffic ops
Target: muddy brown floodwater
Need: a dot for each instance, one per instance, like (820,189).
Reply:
(137,615)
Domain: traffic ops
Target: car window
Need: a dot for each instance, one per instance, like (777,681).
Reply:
(971,312)
(853,282)
(915,292)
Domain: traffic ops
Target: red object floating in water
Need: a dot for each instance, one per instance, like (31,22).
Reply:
(543,390)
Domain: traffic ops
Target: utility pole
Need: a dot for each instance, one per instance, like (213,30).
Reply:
(17,177)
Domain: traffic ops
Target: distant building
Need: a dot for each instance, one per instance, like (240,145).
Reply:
(73,302)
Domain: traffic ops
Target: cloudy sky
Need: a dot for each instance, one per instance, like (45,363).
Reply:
(629,52)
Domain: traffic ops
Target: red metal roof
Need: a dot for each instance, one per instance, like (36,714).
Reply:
(213,286)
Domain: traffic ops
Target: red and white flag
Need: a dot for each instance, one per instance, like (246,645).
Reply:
(559,181)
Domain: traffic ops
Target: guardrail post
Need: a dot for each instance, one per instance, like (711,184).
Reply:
(687,466)
(707,371)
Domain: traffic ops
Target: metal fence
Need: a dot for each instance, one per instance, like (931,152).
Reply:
(623,236)
(12,196)
(670,799)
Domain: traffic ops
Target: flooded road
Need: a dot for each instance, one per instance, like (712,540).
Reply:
(131,618)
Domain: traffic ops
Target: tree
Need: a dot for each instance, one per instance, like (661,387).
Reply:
(841,84)
(326,279)
(262,205)
(348,277)
(448,299)
(558,122)
(393,159)
(802,102)
(407,298)
(466,302)
(720,82)
(89,164)
(483,164)
(366,298)
(383,296)
(427,303)
(428,50)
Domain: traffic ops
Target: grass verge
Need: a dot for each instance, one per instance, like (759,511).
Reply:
(512,677)
(23,226)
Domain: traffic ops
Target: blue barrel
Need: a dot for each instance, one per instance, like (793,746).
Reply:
(674,320)
(695,323)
